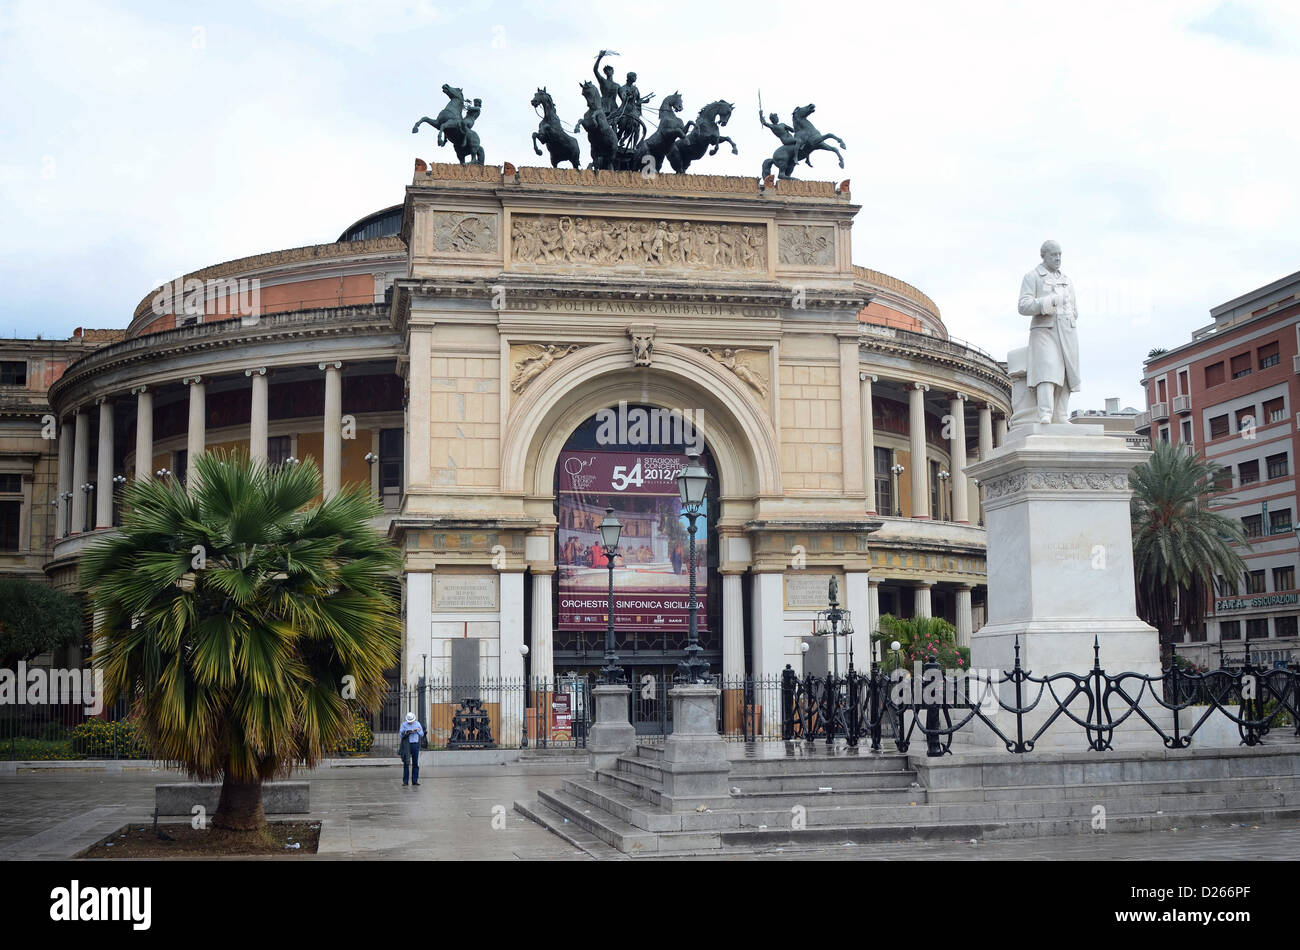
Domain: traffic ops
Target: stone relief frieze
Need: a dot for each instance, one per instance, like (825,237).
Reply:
(530,361)
(806,245)
(567,240)
(1054,481)
(463,232)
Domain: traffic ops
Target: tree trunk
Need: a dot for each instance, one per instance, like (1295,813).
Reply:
(240,806)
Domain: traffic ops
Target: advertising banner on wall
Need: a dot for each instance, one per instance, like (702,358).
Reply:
(652,575)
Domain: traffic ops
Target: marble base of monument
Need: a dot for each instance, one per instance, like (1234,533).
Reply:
(611,735)
(695,767)
(1060,562)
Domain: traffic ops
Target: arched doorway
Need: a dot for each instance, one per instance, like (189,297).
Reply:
(628,458)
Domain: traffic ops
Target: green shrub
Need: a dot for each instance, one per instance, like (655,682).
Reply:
(37,750)
(99,739)
(358,739)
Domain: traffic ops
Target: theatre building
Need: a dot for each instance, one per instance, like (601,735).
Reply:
(509,352)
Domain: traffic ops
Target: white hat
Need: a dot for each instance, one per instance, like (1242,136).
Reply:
(410,717)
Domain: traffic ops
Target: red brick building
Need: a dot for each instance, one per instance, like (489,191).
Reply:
(1232,393)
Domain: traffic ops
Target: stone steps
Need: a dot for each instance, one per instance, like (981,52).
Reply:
(1093,791)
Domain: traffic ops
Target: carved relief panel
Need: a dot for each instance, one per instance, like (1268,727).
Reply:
(546,240)
(806,245)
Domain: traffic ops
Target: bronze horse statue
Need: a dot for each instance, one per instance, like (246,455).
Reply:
(704,135)
(562,146)
(456,126)
(602,140)
(670,130)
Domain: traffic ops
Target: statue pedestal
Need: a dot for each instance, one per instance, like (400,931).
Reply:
(1060,560)
(611,735)
(695,766)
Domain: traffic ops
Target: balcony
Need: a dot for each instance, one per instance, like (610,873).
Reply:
(1295,364)
(1142,422)
(1160,411)
(1182,405)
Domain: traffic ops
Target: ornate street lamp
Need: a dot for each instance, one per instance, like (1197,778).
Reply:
(897,470)
(833,623)
(692,484)
(611,530)
(944,475)
(523,654)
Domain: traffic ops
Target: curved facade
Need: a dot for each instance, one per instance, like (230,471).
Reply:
(448,350)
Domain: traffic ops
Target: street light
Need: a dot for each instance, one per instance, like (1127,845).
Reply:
(897,470)
(692,483)
(611,529)
(944,475)
(834,623)
(523,653)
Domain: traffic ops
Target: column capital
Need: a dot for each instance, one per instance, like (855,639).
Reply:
(100,400)
(259,371)
(336,364)
(965,588)
(137,390)
(962,396)
(863,377)
(191,380)
(874,581)
(923,583)
(923,387)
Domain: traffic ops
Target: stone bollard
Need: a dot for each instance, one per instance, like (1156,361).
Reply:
(695,766)
(611,734)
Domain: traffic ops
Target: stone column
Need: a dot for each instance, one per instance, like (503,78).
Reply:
(143,433)
(196,438)
(66,440)
(80,472)
(964,620)
(868,442)
(733,652)
(856,600)
(1001,430)
(767,630)
(332,443)
(921,603)
(960,500)
(104,476)
(611,735)
(986,431)
(695,767)
(418,430)
(512,660)
(920,464)
(542,678)
(873,613)
(258,415)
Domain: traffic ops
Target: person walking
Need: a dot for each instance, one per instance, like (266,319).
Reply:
(408,745)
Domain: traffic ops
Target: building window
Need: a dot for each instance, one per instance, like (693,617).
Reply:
(13,372)
(1252,525)
(1257,629)
(1277,466)
(180,464)
(884,481)
(278,449)
(1269,355)
(1279,522)
(1284,626)
(1230,630)
(390,466)
(1160,388)
(1218,427)
(1214,374)
(11,515)
(1241,365)
(1275,410)
(1197,634)
(1183,390)
(1228,588)
(935,510)
(1248,472)
(1164,433)
(1255,582)
(1246,419)
(1284,578)
(1187,432)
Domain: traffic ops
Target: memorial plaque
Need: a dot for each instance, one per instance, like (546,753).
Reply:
(809,591)
(465,592)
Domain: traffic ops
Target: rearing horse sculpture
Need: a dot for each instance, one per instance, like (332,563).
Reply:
(810,140)
(456,127)
(704,136)
(670,130)
(562,146)
(601,137)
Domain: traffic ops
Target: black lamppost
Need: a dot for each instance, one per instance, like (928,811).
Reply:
(833,623)
(611,529)
(692,484)
(896,470)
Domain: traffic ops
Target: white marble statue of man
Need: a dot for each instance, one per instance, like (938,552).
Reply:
(1047,296)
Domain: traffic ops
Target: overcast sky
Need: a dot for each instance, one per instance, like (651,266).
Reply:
(1156,141)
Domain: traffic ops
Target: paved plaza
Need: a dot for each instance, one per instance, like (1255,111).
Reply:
(367,814)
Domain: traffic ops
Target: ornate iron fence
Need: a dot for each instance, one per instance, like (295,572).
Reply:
(937,704)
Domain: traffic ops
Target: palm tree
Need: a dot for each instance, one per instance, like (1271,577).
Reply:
(245,620)
(1179,545)
(920,639)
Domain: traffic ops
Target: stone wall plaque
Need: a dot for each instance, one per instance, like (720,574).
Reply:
(462,232)
(465,592)
(805,591)
(806,245)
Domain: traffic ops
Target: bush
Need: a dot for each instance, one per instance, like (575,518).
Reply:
(36,750)
(54,732)
(358,739)
(99,739)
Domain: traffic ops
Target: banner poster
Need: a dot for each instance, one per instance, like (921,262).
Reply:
(652,573)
